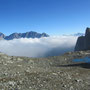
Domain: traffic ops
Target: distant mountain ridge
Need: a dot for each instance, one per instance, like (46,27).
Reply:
(30,34)
(76,34)
(79,34)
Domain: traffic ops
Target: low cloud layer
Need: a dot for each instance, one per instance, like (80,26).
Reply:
(47,46)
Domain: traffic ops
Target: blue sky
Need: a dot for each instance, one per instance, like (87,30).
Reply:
(54,17)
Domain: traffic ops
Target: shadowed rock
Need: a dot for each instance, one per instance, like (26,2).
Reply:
(83,42)
(80,44)
(87,39)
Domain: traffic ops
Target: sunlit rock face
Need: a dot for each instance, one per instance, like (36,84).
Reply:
(83,42)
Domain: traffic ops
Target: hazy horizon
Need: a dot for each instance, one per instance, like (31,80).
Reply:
(44,32)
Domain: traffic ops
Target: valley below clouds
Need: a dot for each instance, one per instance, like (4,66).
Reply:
(38,47)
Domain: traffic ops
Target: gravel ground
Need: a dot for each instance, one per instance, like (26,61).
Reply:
(52,73)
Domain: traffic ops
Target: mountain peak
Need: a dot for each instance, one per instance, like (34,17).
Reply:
(31,34)
(87,31)
(2,35)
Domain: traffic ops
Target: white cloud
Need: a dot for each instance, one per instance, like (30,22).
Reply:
(47,46)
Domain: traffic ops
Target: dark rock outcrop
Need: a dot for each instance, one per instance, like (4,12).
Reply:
(80,44)
(87,39)
(31,34)
(83,42)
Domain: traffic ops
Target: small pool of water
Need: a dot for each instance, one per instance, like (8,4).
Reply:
(86,60)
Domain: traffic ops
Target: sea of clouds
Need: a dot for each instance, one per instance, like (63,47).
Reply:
(42,47)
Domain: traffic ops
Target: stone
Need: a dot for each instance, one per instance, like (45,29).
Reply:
(61,74)
(83,42)
(80,44)
(87,39)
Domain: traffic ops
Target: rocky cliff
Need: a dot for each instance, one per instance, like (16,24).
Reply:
(83,42)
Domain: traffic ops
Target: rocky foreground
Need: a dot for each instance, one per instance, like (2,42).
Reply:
(52,73)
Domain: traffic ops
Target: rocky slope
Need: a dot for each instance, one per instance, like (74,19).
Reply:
(52,73)
(83,42)
(30,34)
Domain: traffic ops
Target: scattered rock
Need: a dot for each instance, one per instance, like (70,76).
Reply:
(53,73)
